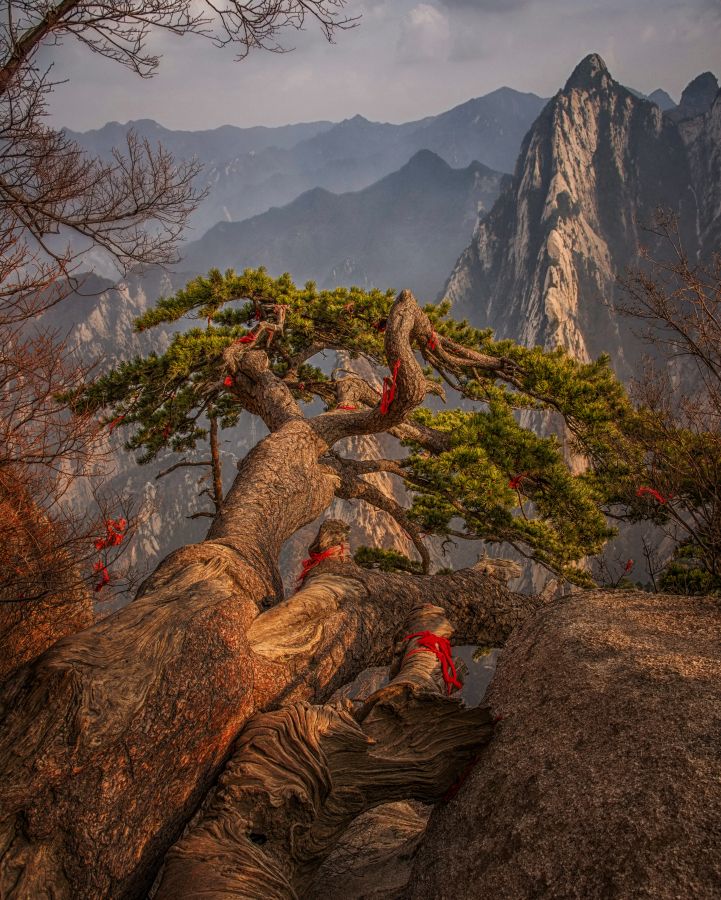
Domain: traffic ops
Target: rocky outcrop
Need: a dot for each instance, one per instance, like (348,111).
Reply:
(542,267)
(602,777)
(697,97)
(42,596)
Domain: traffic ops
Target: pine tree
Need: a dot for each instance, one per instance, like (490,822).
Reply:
(474,471)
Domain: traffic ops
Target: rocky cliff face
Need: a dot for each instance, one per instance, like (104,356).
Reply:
(542,266)
(701,135)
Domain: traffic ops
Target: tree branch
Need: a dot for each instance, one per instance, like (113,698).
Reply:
(354,487)
(407,325)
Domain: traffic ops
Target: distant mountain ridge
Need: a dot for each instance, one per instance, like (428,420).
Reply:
(248,171)
(542,267)
(403,231)
(213,144)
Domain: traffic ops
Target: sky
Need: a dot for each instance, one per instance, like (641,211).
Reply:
(404,60)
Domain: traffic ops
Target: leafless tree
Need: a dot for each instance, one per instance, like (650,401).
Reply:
(678,303)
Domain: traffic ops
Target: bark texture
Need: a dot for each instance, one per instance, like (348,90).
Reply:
(374,858)
(121,706)
(112,737)
(29,627)
(300,775)
(602,779)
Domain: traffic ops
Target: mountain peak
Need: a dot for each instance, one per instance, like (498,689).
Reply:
(427,161)
(662,99)
(591,72)
(698,95)
(357,119)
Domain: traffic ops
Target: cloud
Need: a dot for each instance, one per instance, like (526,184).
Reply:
(424,34)
(485,6)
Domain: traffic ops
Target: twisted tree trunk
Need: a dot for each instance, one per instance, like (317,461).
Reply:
(110,740)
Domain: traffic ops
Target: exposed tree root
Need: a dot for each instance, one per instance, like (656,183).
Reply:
(300,775)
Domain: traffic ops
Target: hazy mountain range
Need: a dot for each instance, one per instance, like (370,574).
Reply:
(248,170)
(406,230)
(541,257)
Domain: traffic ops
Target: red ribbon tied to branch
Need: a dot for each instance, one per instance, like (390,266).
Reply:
(102,569)
(432,341)
(315,558)
(515,482)
(228,382)
(346,406)
(441,647)
(246,339)
(652,492)
(389,389)
(114,424)
(114,534)
(628,566)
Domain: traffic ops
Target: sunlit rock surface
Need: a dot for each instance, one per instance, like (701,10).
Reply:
(602,778)
(542,267)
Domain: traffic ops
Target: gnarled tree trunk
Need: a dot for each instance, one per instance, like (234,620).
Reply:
(111,738)
(300,775)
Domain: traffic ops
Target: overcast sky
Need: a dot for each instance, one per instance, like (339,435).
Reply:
(405,60)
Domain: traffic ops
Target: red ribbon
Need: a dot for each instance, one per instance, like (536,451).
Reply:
(515,482)
(104,575)
(246,339)
(652,492)
(389,389)
(114,424)
(346,406)
(432,341)
(228,381)
(629,566)
(315,558)
(114,534)
(441,647)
